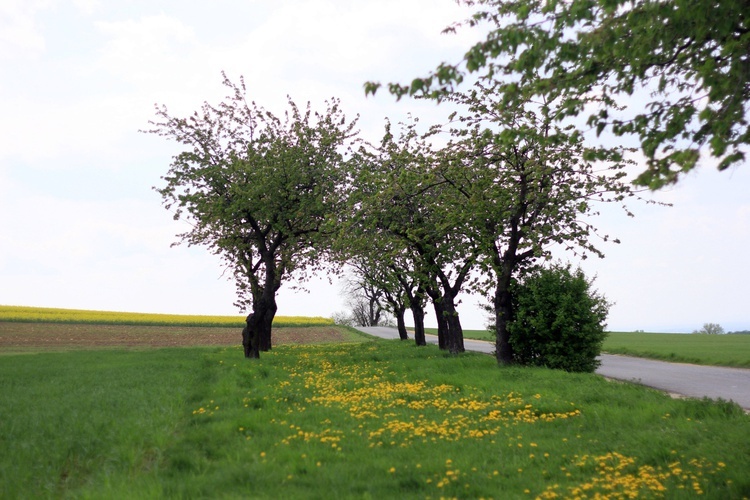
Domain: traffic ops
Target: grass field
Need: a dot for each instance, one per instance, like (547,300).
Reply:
(469,334)
(724,350)
(53,315)
(375,419)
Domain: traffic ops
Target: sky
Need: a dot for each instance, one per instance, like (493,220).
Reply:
(82,227)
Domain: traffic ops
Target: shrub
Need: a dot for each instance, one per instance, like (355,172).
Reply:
(558,320)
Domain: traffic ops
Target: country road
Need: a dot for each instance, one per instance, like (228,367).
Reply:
(731,384)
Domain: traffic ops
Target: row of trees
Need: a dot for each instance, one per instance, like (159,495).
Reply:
(425,215)
(472,203)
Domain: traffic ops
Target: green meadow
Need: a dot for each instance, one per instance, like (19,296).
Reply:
(373,419)
(723,350)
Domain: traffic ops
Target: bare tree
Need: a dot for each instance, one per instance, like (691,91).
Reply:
(364,300)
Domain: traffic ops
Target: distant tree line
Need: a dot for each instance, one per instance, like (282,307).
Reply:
(716,329)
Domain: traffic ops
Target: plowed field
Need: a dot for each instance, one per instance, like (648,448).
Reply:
(22,336)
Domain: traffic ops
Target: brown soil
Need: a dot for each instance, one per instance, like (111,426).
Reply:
(76,336)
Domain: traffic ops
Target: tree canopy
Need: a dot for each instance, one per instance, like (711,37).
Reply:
(675,74)
(402,198)
(258,191)
(526,184)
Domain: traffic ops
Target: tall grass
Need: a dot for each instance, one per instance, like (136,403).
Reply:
(54,315)
(380,419)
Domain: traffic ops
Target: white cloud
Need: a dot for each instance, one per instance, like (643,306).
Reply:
(20,37)
(143,44)
(87,7)
(55,134)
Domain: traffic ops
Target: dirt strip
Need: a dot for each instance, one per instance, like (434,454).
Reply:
(76,336)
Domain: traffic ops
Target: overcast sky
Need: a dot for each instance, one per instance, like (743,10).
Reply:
(81,227)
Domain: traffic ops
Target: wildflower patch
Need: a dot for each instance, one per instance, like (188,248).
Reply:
(388,419)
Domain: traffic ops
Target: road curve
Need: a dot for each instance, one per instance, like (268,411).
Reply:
(696,381)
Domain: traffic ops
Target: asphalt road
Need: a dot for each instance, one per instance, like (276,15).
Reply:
(696,381)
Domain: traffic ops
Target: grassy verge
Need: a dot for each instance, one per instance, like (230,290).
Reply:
(721,350)
(53,315)
(379,419)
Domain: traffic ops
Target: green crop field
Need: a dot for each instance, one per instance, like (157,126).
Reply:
(724,350)
(52,315)
(470,334)
(374,419)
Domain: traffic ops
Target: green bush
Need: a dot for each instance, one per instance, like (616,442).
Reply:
(558,320)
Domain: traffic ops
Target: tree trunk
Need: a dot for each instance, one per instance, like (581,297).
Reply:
(264,311)
(251,338)
(374,311)
(399,312)
(266,326)
(260,321)
(417,311)
(265,308)
(503,315)
(454,341)
(442,323)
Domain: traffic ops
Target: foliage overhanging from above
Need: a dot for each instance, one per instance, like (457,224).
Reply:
(674,74)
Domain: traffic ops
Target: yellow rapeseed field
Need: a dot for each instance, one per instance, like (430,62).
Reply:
(54,315)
